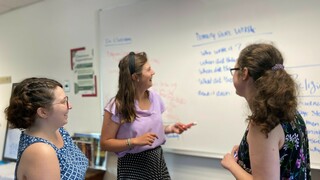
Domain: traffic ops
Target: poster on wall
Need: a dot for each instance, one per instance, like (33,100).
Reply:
(85,80)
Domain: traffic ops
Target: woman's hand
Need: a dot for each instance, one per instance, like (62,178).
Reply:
(145,139)
(230,159)
(178,127)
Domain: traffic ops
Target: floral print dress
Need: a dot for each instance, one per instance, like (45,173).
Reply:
(294,155)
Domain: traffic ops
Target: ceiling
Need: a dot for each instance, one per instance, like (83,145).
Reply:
(10,5)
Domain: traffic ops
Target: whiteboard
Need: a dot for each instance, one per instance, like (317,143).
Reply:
(192,44)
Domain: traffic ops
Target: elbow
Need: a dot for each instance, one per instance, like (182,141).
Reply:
(103,146)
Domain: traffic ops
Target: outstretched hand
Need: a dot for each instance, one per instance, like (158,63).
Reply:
(180,127)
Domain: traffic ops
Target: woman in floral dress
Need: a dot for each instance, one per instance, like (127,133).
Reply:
(275,143)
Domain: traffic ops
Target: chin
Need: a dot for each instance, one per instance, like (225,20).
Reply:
(65,122)
(238,93)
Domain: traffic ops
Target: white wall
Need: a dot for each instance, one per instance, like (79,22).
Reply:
(36,41)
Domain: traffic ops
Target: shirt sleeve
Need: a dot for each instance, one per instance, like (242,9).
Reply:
(111,108)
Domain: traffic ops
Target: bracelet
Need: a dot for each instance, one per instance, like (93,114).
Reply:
(129,143)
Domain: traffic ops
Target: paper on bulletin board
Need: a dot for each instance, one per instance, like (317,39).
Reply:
(84,75)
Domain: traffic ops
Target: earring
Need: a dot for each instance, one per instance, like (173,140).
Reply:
(138,80)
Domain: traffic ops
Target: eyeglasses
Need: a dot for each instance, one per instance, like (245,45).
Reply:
(65,101)
(234,69)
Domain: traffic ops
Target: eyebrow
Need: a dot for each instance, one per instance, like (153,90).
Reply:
(64,98)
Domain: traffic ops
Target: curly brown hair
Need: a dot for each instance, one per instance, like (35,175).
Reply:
(27,96)
(124,99)
(275,100)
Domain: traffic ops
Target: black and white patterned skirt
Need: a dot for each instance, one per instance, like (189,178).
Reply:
(146,165)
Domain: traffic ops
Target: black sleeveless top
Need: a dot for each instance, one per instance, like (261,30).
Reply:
(294,155)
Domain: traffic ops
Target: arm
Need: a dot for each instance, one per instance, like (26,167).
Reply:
(264,152)
(39,157)
(108,141)
(264,155)
(229,162)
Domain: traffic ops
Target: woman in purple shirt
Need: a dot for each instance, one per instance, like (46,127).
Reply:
(133,126)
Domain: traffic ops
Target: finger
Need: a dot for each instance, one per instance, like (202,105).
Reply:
(154,135)
(151,142)
(179,125)
(152,139)
(235,147)
(191,124)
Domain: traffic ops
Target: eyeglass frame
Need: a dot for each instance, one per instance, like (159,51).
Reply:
(65,102)
(234,69)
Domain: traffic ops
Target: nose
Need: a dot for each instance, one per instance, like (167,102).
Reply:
(69,106)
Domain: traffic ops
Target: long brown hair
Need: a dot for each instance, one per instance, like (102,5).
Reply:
(276,98)
(124,100)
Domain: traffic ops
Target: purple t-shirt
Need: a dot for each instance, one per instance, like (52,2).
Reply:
(147,121)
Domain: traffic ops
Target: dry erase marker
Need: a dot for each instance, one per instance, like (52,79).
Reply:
(235,154)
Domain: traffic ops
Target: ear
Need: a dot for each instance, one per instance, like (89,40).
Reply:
(42,112)
(245,74)
(134,77)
